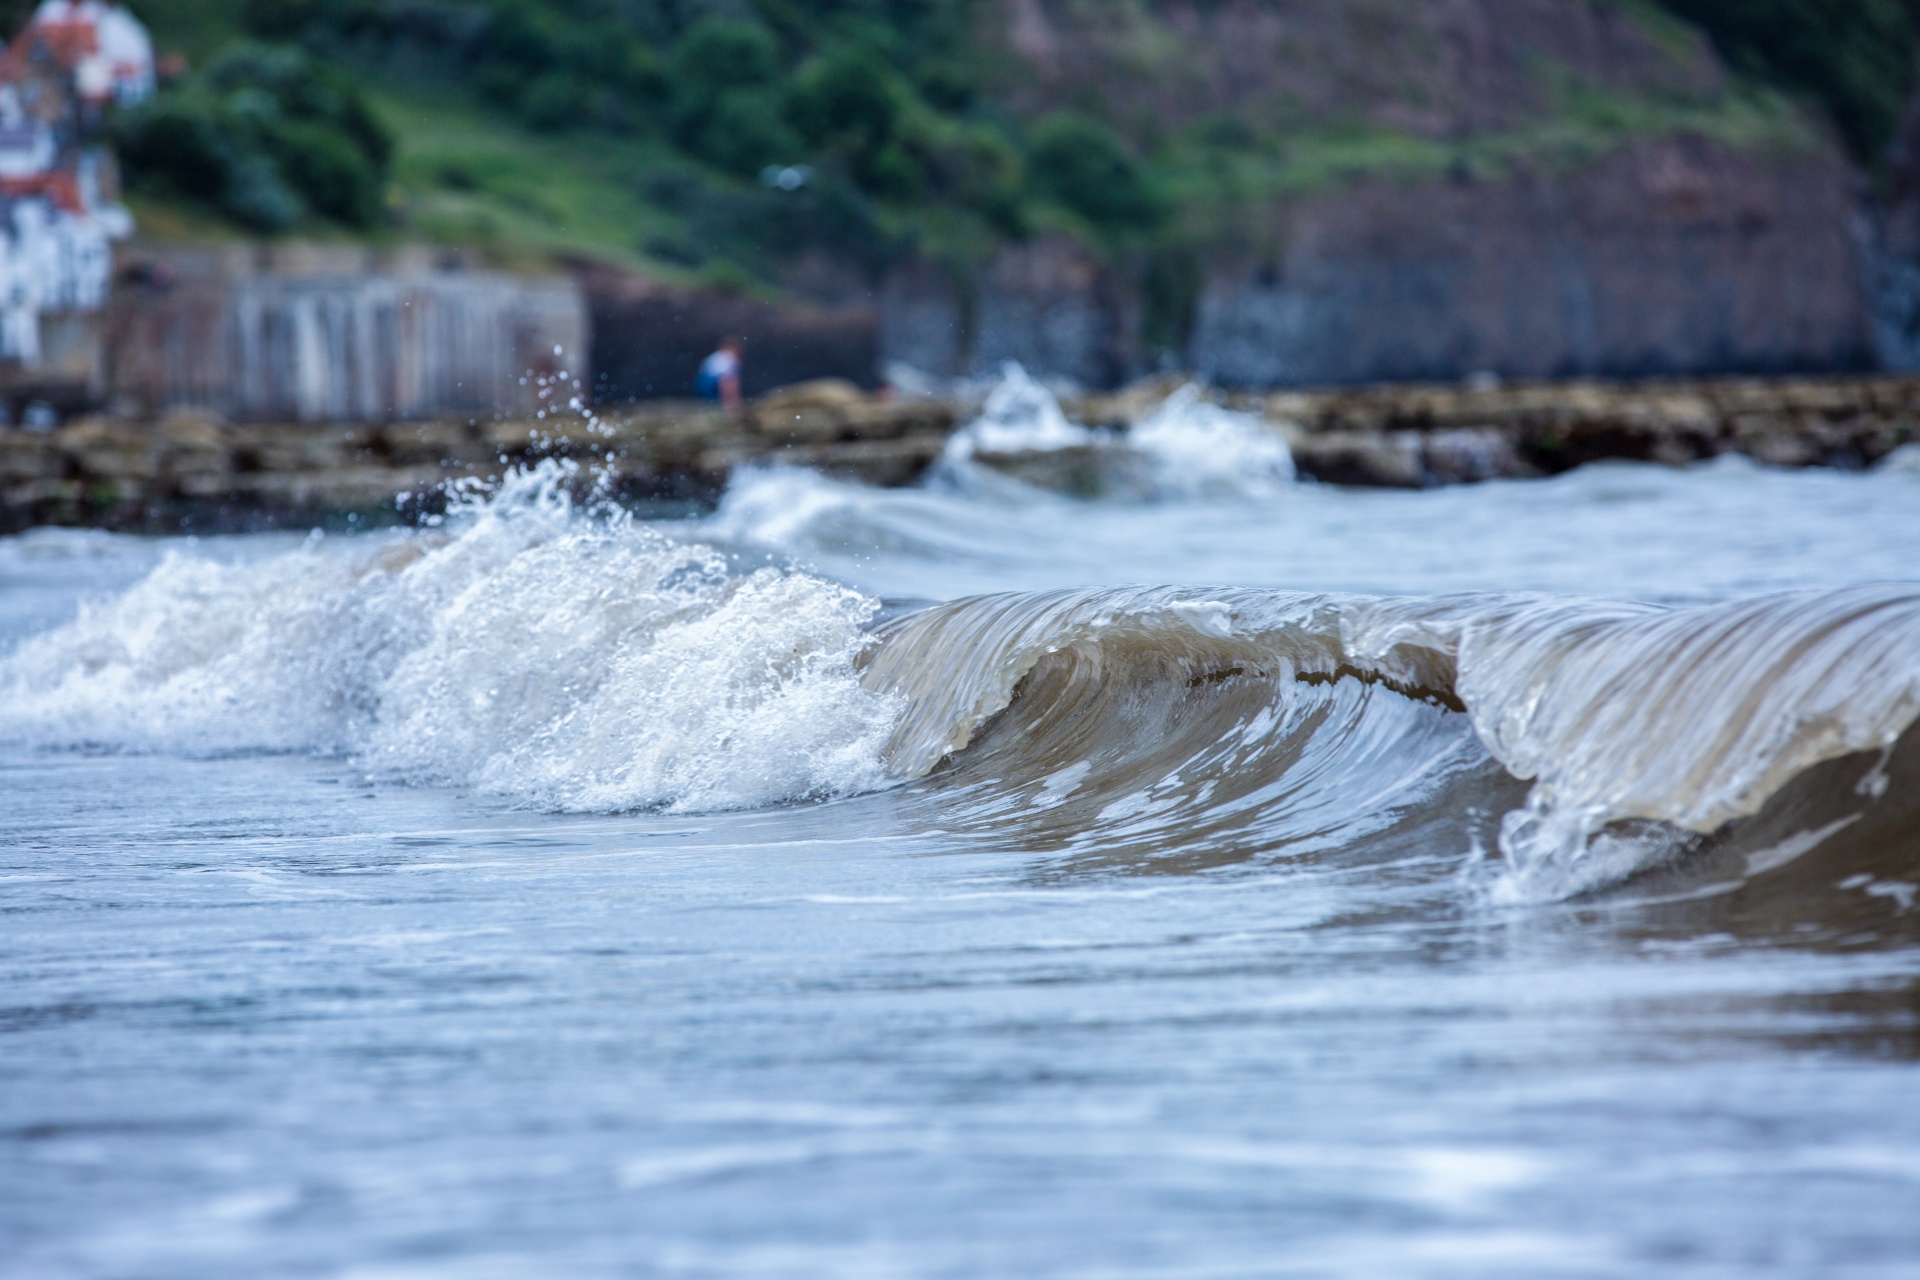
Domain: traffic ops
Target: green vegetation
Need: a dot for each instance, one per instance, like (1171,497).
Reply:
(726,141)
(1085,167)
(1853,58)
(468,176)
(265,136)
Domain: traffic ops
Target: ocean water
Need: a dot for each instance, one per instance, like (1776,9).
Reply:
(1227,876)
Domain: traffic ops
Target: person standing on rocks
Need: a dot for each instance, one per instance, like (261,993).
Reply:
(719,378)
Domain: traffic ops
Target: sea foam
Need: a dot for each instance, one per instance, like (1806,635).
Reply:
(528,649)
(1187,448)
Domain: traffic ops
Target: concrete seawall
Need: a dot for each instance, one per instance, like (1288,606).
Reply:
(193,473)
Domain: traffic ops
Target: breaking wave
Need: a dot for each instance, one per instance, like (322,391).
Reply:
(579,660)
(1303,721)
(528,650)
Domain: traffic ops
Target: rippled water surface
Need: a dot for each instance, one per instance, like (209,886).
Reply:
(554,895)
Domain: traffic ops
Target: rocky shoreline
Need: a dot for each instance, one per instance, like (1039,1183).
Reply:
(189,473)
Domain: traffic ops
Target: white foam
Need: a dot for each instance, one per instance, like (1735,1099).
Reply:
(1020,416)
(1905,460)
(780,506)
(531,651)
(1187,448)
(1199,449)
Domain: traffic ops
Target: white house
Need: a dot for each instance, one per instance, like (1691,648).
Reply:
(57,226)
(105,47)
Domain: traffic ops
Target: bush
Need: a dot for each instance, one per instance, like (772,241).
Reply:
(336,178)
(263,136)
(855,108)
(718,55)
(553,102)
(744,132)
(253,193)
(300,88)
(761,228)
(182,147)
(979,167)
(1082,165)
(724,107)
(1855,58)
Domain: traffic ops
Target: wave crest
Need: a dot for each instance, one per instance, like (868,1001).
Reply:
(531,650)
(1687,719)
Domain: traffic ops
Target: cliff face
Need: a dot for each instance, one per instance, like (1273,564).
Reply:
(1050,304)
(1674,256)
(1654,248)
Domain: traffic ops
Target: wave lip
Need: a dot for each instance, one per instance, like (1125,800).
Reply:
(1693,718)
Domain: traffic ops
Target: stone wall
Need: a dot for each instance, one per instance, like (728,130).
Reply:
(310,335)
(189,472)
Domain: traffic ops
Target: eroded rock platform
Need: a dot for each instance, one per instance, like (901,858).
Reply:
(192,473)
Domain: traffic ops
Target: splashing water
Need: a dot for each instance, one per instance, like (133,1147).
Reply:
(531,650)
(1019,415)
(1200,450)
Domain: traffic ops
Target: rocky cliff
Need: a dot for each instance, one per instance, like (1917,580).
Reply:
(1674,255)
(1520,187)
(1431,68)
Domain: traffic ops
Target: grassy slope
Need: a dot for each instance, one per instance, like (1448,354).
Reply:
(465,176)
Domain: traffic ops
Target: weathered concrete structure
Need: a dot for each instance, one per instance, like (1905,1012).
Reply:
(313,334)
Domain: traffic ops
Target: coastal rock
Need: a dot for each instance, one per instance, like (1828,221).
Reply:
(188,471)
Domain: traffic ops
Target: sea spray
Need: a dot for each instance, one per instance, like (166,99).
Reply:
(1187,448)
(577,659)
(1201,450)
(1019,414)
(530,649)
